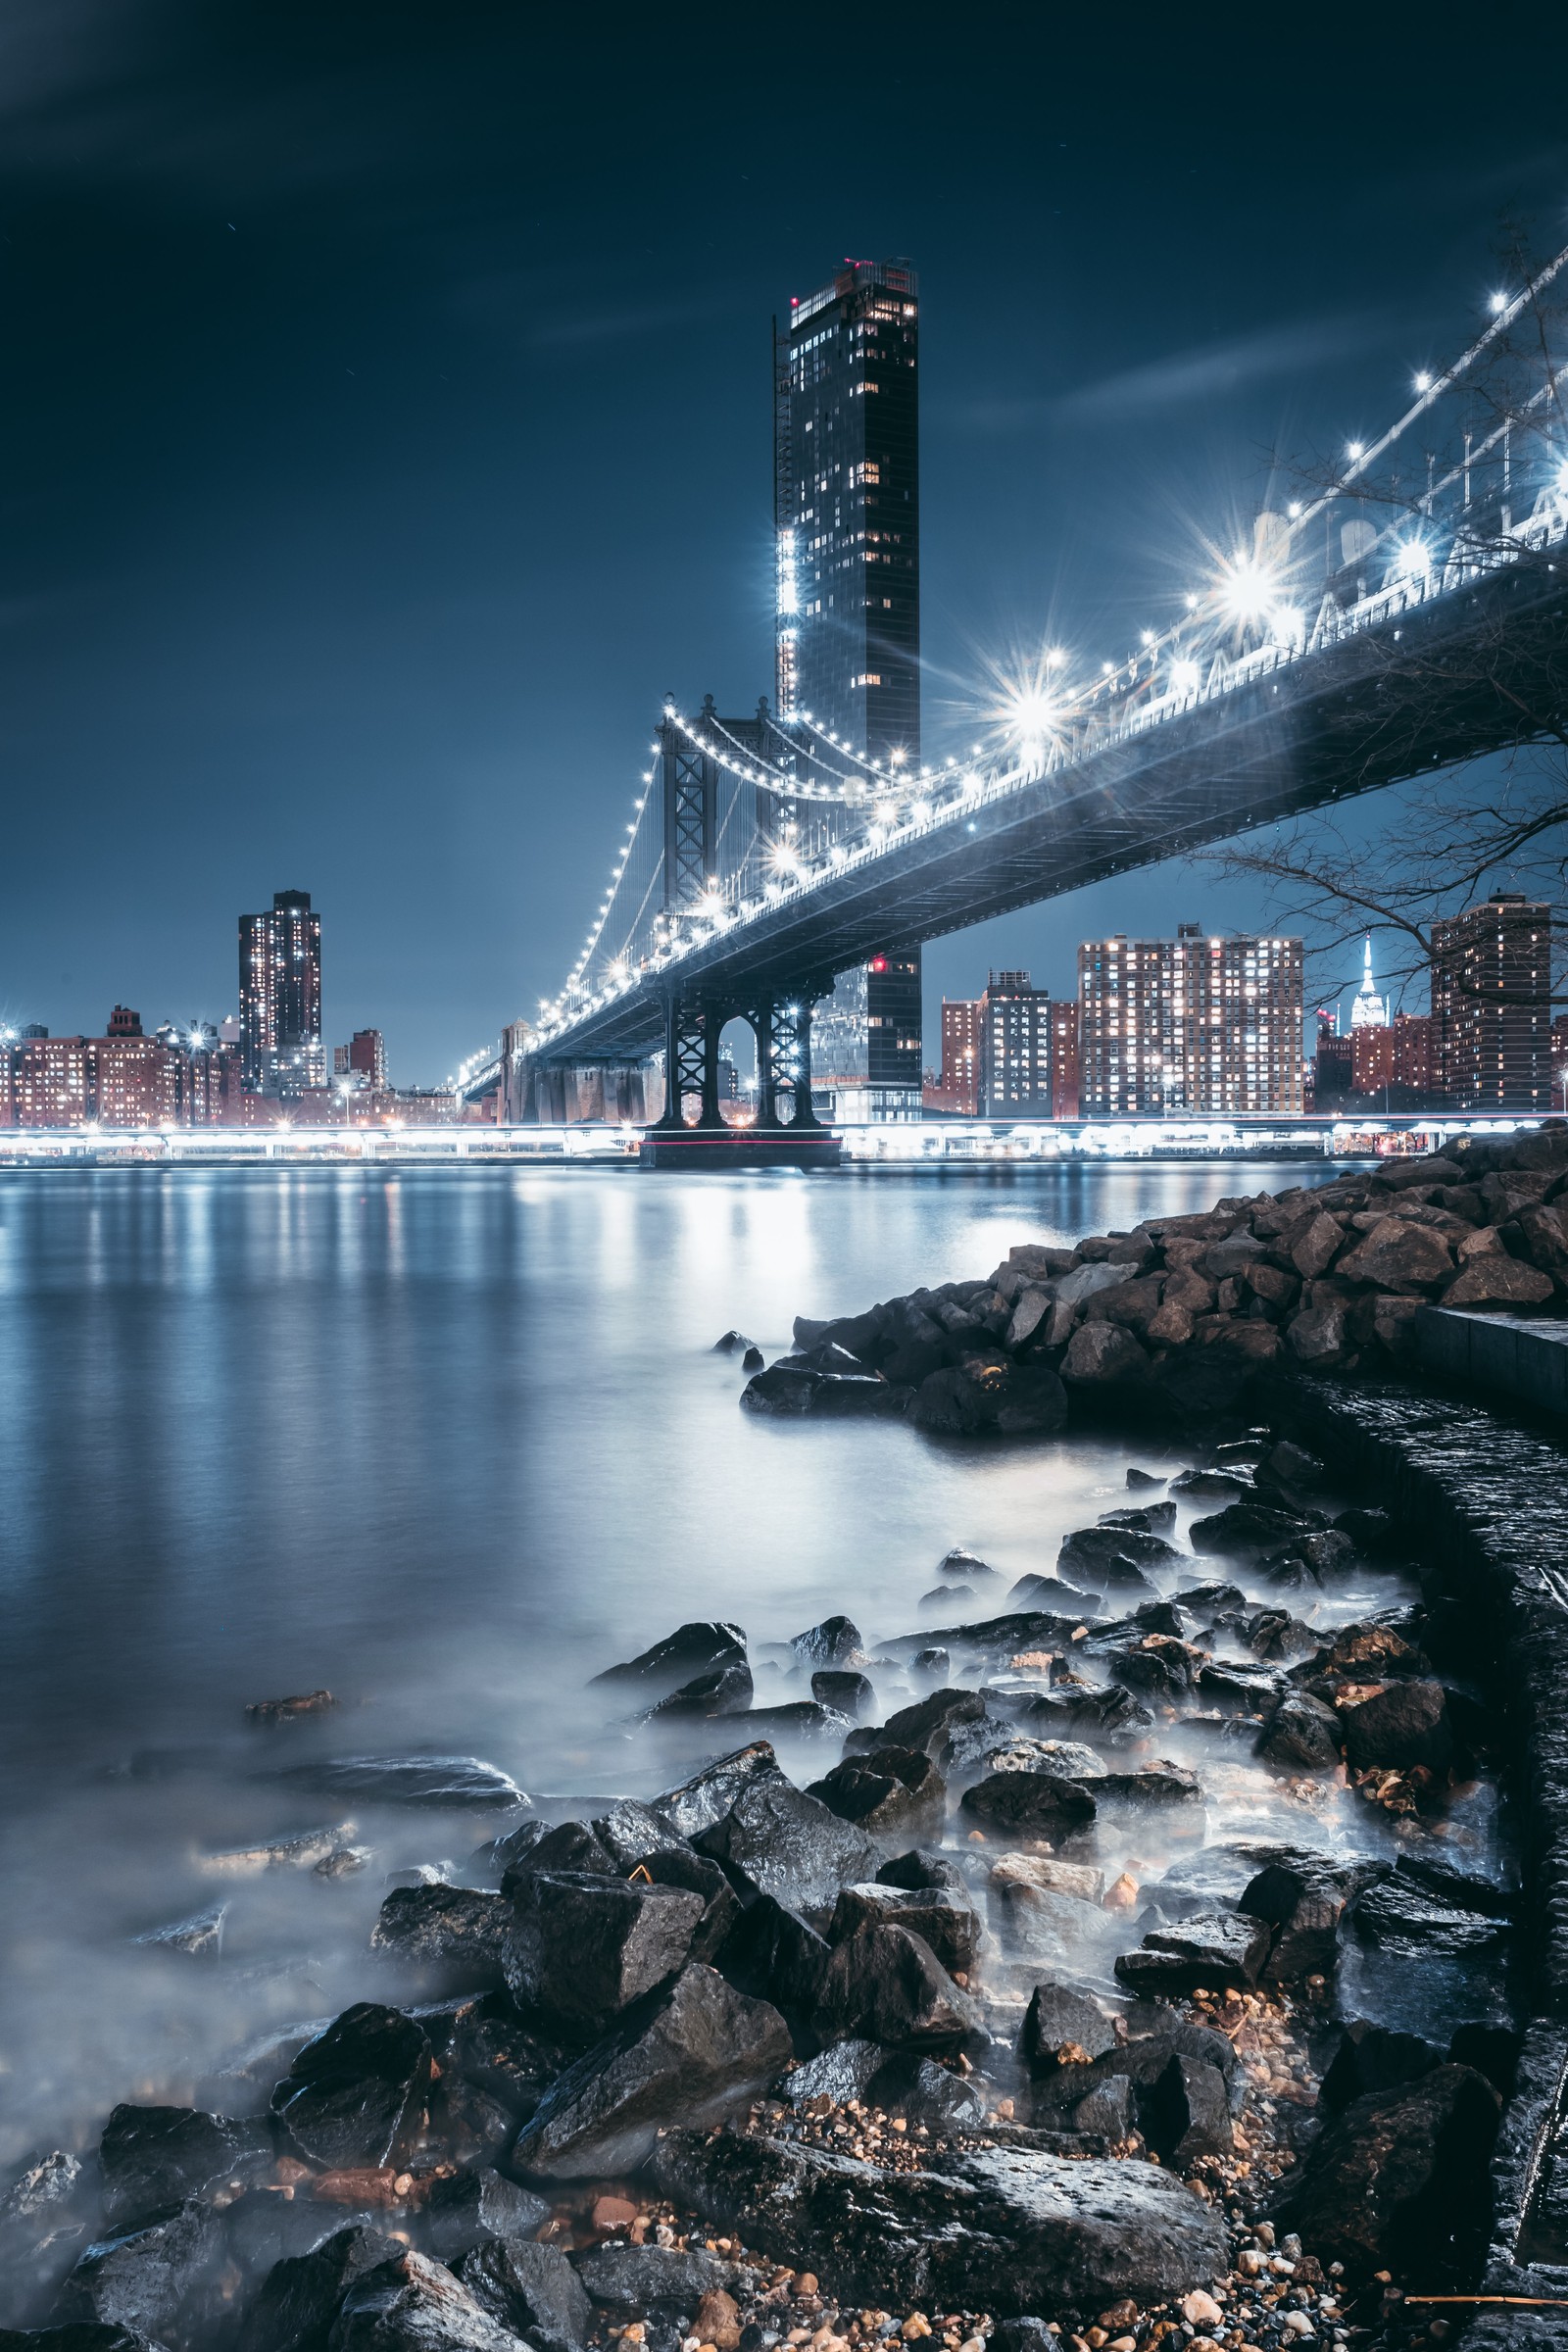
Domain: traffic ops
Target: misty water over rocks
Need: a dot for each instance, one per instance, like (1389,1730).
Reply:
(426,1456)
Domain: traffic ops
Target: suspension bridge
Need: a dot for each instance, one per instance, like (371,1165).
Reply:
(1406,614)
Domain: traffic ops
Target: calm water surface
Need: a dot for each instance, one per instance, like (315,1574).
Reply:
(446,1442)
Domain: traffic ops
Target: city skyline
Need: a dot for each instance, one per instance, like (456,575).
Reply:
(224,619)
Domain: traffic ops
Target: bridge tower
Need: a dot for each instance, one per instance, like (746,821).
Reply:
(786,1130)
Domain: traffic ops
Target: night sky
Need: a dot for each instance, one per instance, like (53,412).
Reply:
(387,418)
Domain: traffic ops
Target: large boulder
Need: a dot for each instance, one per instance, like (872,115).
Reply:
(531,2289)
(157,2156)
(1185,2112)
(925,1725)
(356,2094)
(630,1832)
(1495,1280)
(1029,1804)
(302,2296)
(1543,1229)
(636,2279)
(833,1643)
(1003,2230)
(774,1955)
(1303,1734)
(1302,1896)
(1419,1911)
(696,1804)
(479,2208)
(1102,1356)
(452,1936)
(777,1841)
(1399,2182)
(1314,1245)
(582,1947)
(149,2274)
(885,1985)
(723,1690)
(721,1906)
(1245,1526)
(412,2304)
(1403,1724)
(685,2054)
(941,1916)
(1063,2027)
(1221,1949)
(690,1650)
(1097,1555)
(892,1794)
(1399,1254)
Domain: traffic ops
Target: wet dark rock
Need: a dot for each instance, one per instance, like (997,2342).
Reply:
(531,2289)
(1303,1899)
(1164,1669)
(924,1725)
(1421,1912)
(751,1360)
(1303,1734)
(199,1937)
(729,1342)
(1005,2230)
(1371,2059)
(942,1597)
(1240,1689)
(680,1867)
(1100,1558)
(412,2304)
(1248,1528)
(1398,2180)
(1157,2034)
(696,1804)
(1211,1486)
(498,1854)
(1108,1713)
(800,1719)
(582,1947)
(569,1845)
(925,2092)
(411,1781)
(269,1712)
(683,2054)
(1199,1953)
(781,1388)
(491,2048)
(471,2208)
(718,1690)
(892,1794)
(1106,2113)
(846,1691)
(1149,1519)
(1062,2018)
(691,1650)
(916,1869)
(882,1983)
(774,1955)
(777,1841)
(448,1934)
(966,1564)
(1405,1724)
(152,2157)
(355,2095)
(1029,1804)
(76,2335)
(941,1916)
(629,1832)
(843,2071)
(638,2279)
(1103,1355)
(931,1665)
(1184,2112)
(148,2275)
(1156,1785)
(469,2124)
(831,1643)
(302,2295)
(1050,1592)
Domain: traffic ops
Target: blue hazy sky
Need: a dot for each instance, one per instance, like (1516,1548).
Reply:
(387,418)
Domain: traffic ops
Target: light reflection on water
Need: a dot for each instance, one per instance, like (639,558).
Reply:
(447,1441)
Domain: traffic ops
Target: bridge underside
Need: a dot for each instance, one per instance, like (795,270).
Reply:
(1441,684)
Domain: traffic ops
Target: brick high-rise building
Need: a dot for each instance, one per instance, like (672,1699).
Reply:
(1392,1066)
(847,520)
(280,996)
(1492,1006)
(959,1086)
(135,1081)
(1065,1080)
(45,1082)
(1193,1026)
(364,1058)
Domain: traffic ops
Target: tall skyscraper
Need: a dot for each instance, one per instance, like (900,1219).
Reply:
(1492,1006)
(280,996)
(1015,1037)
(1190,1026)
(1368,1010)
(847,516)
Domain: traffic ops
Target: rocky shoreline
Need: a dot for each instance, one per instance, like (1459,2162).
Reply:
(1174,1316)
(1133,1961)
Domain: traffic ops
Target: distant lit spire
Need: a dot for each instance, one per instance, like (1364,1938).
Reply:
(1368,1010)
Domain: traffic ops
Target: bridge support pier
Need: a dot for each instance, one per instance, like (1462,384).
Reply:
(786,1132)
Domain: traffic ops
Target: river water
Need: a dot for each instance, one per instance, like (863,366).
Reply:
(446,1443)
